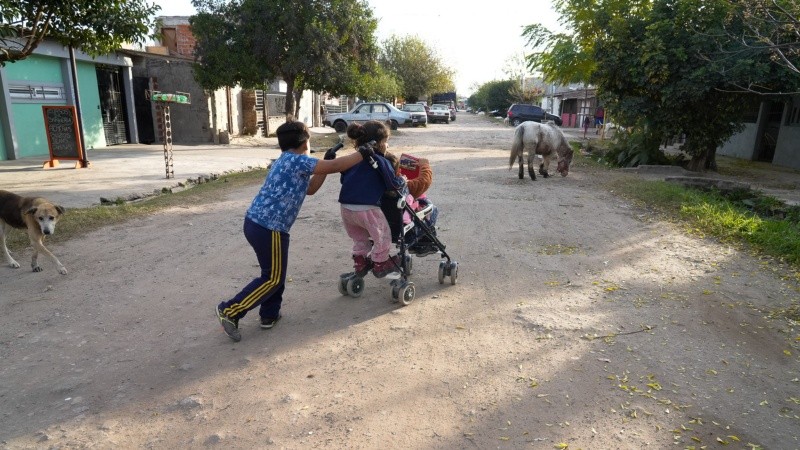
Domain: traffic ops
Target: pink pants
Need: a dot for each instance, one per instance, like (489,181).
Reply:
(362,226)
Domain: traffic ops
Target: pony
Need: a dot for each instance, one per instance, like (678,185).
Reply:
(540,139)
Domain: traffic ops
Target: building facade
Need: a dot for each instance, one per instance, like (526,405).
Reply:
(771,134)
(104,87)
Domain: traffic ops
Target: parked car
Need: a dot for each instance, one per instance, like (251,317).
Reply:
(452,113)
(419,115)
(382,112)
(498,112)
(519,113)
(439,113)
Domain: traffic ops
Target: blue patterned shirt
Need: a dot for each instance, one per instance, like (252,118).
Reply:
(278,202)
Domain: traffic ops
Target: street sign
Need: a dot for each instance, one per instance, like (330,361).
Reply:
(183,98)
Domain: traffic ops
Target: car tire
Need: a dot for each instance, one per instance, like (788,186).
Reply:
(516,122)
(340,126)
(447,121)
(393,125)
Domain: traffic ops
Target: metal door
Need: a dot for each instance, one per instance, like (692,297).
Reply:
(112,106)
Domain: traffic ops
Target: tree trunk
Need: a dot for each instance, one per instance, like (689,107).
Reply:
(297,96)
(289,104)
(706,161)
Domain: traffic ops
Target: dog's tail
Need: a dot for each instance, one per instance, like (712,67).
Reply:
(517,145)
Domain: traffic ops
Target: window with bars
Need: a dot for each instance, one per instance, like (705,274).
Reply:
(37,93)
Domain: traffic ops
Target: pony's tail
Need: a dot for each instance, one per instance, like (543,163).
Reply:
(517,145)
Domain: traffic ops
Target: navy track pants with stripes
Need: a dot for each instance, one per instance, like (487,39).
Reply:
(266,291)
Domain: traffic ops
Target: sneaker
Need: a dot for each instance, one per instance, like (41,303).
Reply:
(361,265)
(229,326)
(269,322)
(391,265)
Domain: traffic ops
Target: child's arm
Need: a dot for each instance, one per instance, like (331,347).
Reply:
(315,183)
(325,166)
(420,185)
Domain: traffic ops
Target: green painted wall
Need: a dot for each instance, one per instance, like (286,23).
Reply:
(90,106)
(2,145)
(28,117)
(35,68)
(29,125)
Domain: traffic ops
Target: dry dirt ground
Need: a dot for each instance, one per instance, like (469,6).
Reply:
(578,321)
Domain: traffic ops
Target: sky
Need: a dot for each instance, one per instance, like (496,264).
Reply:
(477,39)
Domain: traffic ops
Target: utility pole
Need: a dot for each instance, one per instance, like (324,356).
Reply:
(82,139)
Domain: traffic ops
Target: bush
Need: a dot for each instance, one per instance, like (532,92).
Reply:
(634,149)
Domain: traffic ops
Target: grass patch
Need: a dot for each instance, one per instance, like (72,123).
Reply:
(79,221)
(322,142)
(730,219)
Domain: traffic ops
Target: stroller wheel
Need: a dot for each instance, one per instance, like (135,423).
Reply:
(441,272)
(343,282)
(355,286)
(406,294)
(453,272)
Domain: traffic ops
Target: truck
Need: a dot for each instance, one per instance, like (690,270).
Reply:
(445,98)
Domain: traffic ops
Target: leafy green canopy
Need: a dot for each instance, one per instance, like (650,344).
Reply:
(417,67)
(757,47)
(493,95)
(322,45)
(650,61)
(96,26)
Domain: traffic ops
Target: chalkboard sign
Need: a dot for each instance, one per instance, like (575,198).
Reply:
(61,126)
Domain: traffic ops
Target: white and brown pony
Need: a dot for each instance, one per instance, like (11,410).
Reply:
(540,139)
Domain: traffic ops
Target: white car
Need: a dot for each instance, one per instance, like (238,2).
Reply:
(419,117)
(382,112)
(439,113)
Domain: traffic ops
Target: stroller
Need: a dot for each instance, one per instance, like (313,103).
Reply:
(404,235)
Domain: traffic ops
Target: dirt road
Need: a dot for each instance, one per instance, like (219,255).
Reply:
(577,320)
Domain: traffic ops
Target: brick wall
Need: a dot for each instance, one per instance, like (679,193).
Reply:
(184,40)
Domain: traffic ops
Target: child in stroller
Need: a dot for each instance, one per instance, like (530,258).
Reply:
(419,176)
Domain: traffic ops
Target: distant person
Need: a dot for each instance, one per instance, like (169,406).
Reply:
(267,222)
(599,119)
(587,122)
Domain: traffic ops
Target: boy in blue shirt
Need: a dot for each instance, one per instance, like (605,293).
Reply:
(270,217)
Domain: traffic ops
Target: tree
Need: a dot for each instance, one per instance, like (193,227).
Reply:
(660,86)
(383,86)
(322,45)
(645,60)
(416,67)
(758,48)
(493,95)
(96,26)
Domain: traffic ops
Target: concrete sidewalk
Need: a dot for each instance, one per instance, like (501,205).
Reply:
(129,170)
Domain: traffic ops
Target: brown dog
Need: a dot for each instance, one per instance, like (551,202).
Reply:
(35,214)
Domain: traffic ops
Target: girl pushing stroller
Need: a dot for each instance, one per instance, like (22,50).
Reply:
(360,197)
(373,202)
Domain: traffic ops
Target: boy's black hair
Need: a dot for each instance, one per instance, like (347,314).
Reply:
(292,135)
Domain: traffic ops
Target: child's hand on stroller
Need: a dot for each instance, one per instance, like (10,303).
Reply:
(366,150)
